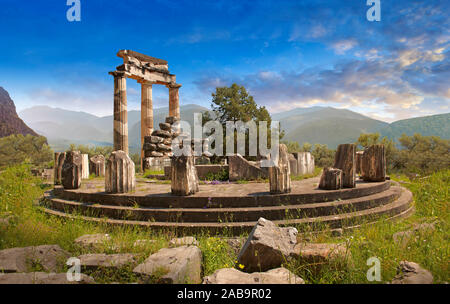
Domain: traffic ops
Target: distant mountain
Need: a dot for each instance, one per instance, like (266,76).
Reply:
(326,125)
(63,127)
(438,125)
(10,123)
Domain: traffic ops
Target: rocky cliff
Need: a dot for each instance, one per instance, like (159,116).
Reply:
(10,123)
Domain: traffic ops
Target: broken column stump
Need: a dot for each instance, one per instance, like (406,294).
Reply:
(359,156)
(84,166)
(293,164)
(280,173)
(119,173)
(374,164)
(97,165)
(331,179)
(345,160)
(59,161)
(184,175)
(71,170)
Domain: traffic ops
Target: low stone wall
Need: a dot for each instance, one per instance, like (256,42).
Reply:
(202,170)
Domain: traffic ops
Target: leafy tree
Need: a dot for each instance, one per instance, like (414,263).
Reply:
(92,150)
(323,157)
(16,149)
(368,139)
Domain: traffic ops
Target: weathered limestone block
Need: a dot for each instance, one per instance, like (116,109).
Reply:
(165,126)
(412,273)
(153,139)
(97,165)
(49,257)
(72,170)
(172,119)
(184,241)
(267,246)
(280,173)
(305,163)
(233,276)
(101,260)
(293,164)
(42,278)
(59,161)
(359,157)
(84,166)
(331,179)
(184,175)
(120,173)
(241,169)
(345,160)
(311,253)
(374,164)
(178,265)
(161,133)
(92,241)
(153,154)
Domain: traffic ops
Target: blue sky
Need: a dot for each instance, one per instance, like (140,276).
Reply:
(288,54)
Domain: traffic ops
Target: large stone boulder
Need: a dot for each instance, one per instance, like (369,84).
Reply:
(120,173)
(412,273)
(100,260)
(71,172)
(331,179)
(267,246)
(97,165)
(184,175)
(234,276)
(49,257)
(42,278)
(173,265)
(280,173)
(59,161)
(345,159)
(242,169)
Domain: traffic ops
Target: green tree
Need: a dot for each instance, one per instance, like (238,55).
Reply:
(16,149)
(367,139)
(323,157)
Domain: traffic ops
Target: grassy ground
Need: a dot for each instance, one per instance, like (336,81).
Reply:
(19,192)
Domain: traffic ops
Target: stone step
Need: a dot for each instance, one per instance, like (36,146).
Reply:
(401,207)
(166,200)
(224,214)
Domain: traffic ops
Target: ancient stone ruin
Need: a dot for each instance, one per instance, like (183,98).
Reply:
(373,164)
(97,165)
(71,172)
(280,173)
(84,166)
(59,161)
(345,160)
(120,173)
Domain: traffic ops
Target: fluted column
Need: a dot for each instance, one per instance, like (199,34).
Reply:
(174,100)
(146,113)
(120,112)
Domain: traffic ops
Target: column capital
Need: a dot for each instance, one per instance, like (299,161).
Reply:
(173,85)
(145,82)
(117,74)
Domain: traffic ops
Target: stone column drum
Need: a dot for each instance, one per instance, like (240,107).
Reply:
(119,173)
(120,112)
(71,170)
(174,100)
(146,113)
(59,161)
(331,179)
(97,165)
(345,159)
(280,173)
(373,166)
(85,166)
(184,175)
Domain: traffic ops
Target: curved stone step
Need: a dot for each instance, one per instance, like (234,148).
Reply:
(399,208)
(304,195)
(224,214)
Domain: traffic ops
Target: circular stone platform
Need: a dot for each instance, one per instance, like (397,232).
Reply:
(232,206)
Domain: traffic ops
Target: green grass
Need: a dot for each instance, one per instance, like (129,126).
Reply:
(317,172)
(19,192)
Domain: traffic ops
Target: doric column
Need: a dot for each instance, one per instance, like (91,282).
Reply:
(174,100)
(120,112)
(146,113)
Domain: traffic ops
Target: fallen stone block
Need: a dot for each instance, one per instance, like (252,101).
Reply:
(49,257)
(412,273)
(320,253)
(241,169)
(234,276)
(93,261)
(92,241)
(331,179)
(173,265)
(267,246)
(184,241)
